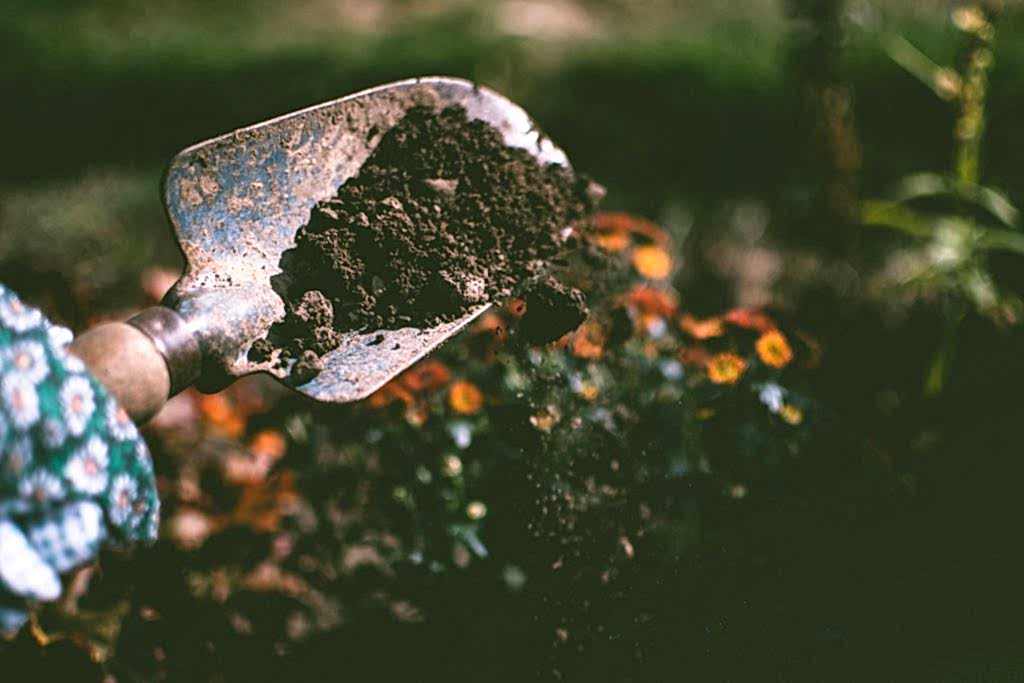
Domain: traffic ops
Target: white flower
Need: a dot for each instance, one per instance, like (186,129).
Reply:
(22,571)
(77,403)
(19,398)
(27,358)
(119,424)
(123,493)
(16,459)
(462,433)
(59,335)
(656,327)
(772,395)
(72,363)
(17,316)
(87,468)
(671,369)
(69,535)
(53,433)
(142,457)
(41,486)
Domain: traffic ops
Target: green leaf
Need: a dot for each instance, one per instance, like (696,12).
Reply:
(1000,239)
(922,185)
(896,216)
(932,184)
(998,205)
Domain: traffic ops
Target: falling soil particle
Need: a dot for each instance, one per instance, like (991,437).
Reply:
(441,217)
(552,310)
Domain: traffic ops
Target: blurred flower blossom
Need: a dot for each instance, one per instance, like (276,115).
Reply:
(726,368)
(773,349)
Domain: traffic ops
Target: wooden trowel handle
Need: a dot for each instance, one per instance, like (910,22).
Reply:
(142,362)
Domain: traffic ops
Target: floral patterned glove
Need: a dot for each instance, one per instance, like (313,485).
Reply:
(74,472)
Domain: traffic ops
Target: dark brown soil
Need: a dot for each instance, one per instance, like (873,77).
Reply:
(552,310)
(441,217)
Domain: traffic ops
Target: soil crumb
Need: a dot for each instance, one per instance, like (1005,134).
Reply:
(552,310)
(441,217)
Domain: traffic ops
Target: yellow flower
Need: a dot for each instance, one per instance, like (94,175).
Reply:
(652,262)
(791,414)
(773,349)
(726,368)
(464,397)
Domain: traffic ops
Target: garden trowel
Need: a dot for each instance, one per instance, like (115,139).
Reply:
(236,203)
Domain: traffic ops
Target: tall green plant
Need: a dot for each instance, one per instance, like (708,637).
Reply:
(955,219)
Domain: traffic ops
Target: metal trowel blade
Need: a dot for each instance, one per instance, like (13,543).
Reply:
(237,201)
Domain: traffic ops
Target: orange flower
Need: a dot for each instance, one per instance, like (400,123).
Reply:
(425,376)
(749,319)
(726,368)
(702,329)
(516,308)
(588,340)
(268,444)
(773,349)
(490,324)
(464,397)
(221,412)
(216,408)
(652,262)
(624,223)
(650,300)
(388,394)
(612,241)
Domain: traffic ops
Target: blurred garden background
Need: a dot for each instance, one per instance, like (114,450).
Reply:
(786,445)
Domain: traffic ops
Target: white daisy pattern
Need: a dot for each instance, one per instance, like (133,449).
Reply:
(41,486)
(119,424)
(22,571)
(72,363)
(77,403)
(86,469)
(19,398)
(59,336)
(17,316)
(65,445)
(121,504)
(142,459)
(27,358)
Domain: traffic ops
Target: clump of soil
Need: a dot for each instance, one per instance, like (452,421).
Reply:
(552,310)
(441,217)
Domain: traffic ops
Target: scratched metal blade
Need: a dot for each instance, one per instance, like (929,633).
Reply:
(237,201)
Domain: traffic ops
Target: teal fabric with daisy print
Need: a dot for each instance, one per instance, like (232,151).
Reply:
(74,472)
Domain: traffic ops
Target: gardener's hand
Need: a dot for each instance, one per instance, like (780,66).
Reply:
(74,472)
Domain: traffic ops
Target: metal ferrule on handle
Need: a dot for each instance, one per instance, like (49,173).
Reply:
(173,340)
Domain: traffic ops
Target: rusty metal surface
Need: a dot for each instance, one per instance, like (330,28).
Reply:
(237,201)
